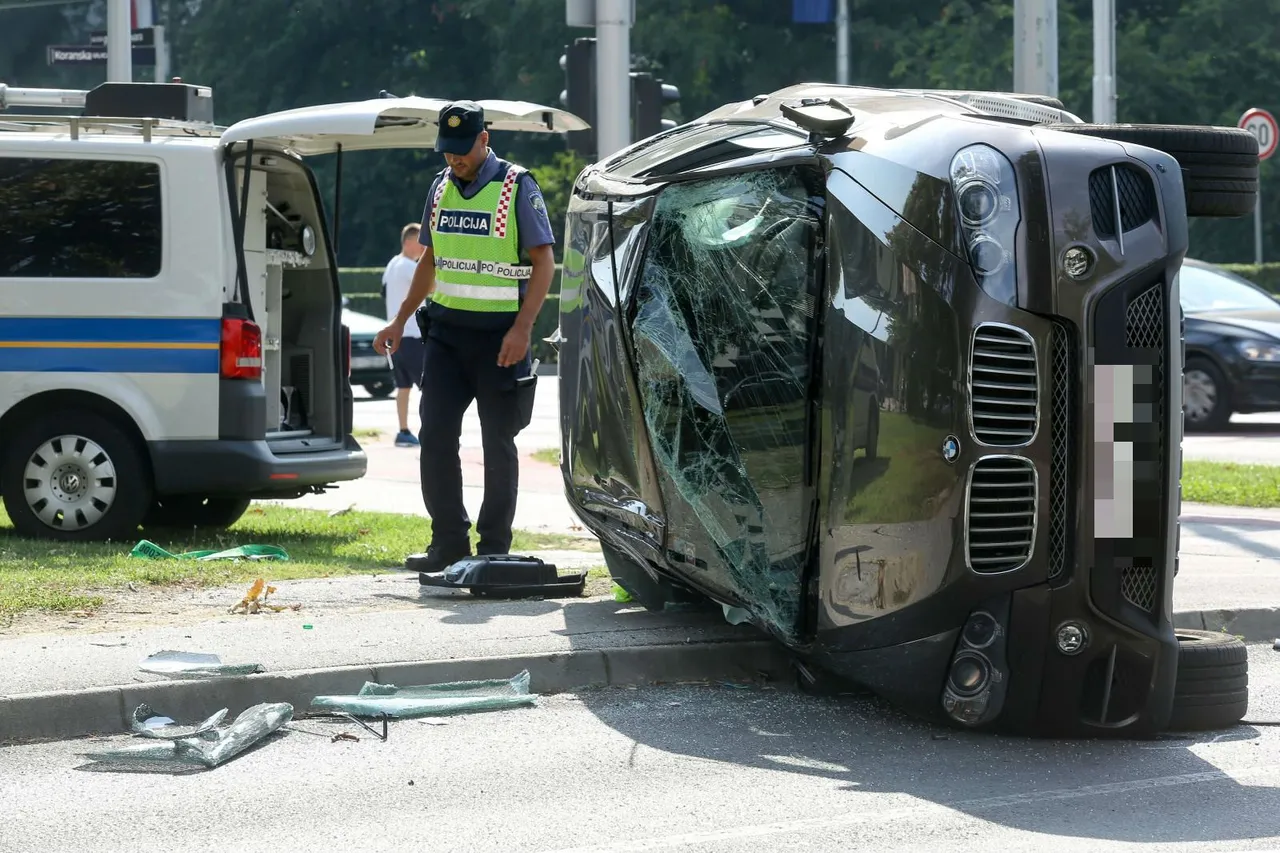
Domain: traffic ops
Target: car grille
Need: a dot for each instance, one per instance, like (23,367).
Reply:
(1001,514)
(1120,191)
(1131,326)
(1061,457)
(1004,386)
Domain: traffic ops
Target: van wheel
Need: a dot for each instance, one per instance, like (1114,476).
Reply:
(1212,687)
(74,476)
(194,511)
(1219,164)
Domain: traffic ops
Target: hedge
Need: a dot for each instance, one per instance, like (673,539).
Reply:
(363,288)
(1266,276)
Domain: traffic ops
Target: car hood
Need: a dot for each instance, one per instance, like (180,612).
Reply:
(1263,323)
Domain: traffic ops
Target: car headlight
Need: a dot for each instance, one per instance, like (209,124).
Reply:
(1259,350)
(986,194)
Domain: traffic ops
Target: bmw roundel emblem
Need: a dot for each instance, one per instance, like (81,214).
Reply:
(950,448)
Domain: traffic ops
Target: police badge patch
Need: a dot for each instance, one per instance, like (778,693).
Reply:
(537,203)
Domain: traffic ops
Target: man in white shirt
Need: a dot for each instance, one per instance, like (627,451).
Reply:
(407,361)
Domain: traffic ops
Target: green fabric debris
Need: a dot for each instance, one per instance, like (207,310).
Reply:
(374,699)
(151,551)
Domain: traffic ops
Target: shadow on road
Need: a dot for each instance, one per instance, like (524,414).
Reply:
(1084,789)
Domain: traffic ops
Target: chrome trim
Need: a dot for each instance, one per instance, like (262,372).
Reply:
(1035,512)
(1115,204)
(1035,355)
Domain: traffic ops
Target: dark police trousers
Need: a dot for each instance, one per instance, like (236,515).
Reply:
(460,366)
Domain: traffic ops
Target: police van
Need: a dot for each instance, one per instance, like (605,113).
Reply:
(171,344)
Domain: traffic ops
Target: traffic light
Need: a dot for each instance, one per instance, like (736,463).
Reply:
(650,96)
(579,95)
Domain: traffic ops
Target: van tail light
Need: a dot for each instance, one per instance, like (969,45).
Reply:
(241,350)
(346,349)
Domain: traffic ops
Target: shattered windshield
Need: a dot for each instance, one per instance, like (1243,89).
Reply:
(723,332)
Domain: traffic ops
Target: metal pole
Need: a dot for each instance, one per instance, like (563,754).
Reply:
(119,41)
(1035,47)
(162,55)
(1104,61)
(1257,226)
(842,42)
(613,76)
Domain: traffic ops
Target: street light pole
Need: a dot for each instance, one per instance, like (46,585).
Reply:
(842,42)
(1035,47)
(119,41)
(613,76)
(1104,61)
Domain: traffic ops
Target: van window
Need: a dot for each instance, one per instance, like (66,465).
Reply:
(63,218)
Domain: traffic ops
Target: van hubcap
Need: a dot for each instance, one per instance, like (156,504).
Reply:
(69,482)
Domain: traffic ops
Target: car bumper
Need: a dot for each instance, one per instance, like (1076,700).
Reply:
(1256,387)
(250,468)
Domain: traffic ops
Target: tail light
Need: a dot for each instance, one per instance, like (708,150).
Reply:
(346,348)
(241,351)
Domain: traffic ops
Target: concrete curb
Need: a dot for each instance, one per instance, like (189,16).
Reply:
(1255,624)
(107,710)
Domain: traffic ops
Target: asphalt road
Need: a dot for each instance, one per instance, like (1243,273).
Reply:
(680,768)
(1248,438)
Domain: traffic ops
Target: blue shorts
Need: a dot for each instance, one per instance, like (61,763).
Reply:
(408,361)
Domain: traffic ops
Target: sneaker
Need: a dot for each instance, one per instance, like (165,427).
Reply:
(404,438)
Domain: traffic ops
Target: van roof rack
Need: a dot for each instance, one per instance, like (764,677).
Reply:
(152,109)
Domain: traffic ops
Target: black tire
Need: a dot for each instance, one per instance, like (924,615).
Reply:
(186,512)
(1212,689)
(1219,164)
(129,483)
(380,390)
(1205,376)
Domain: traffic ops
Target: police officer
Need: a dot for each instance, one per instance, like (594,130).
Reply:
(488,265)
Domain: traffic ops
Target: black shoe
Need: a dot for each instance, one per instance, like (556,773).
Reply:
(436,560)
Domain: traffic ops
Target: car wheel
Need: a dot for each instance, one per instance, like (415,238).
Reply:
(75,476)
(379,390)
(1219,164)
(1206,396)
(1212,687)
(193,511)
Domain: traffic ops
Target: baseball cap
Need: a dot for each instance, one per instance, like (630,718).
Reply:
(460,123)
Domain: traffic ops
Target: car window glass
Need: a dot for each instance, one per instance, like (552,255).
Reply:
(723,329)
(1206,290)
(63,218)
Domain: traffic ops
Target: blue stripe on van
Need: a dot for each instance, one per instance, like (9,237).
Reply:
(122,329)
(107,360)
(109,345)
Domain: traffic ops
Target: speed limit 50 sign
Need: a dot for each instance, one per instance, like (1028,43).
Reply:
(1262,125)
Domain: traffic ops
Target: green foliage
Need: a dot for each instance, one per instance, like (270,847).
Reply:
(1266,276)
(1179,61)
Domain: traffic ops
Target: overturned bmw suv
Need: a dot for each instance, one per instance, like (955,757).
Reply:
(896,376)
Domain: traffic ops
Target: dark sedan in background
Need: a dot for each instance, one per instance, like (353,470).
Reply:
(368,369)
(1233,346)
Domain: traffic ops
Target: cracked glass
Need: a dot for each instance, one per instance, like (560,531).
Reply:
(723,331)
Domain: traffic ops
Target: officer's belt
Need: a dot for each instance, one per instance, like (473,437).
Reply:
(496,269)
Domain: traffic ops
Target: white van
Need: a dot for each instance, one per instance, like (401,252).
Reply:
(171,344)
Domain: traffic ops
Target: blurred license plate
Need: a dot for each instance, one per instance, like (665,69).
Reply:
(368,362)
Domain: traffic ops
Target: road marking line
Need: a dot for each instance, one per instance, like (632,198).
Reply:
(924,809)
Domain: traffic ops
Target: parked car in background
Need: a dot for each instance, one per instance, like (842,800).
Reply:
(1233,346)
(368,369)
